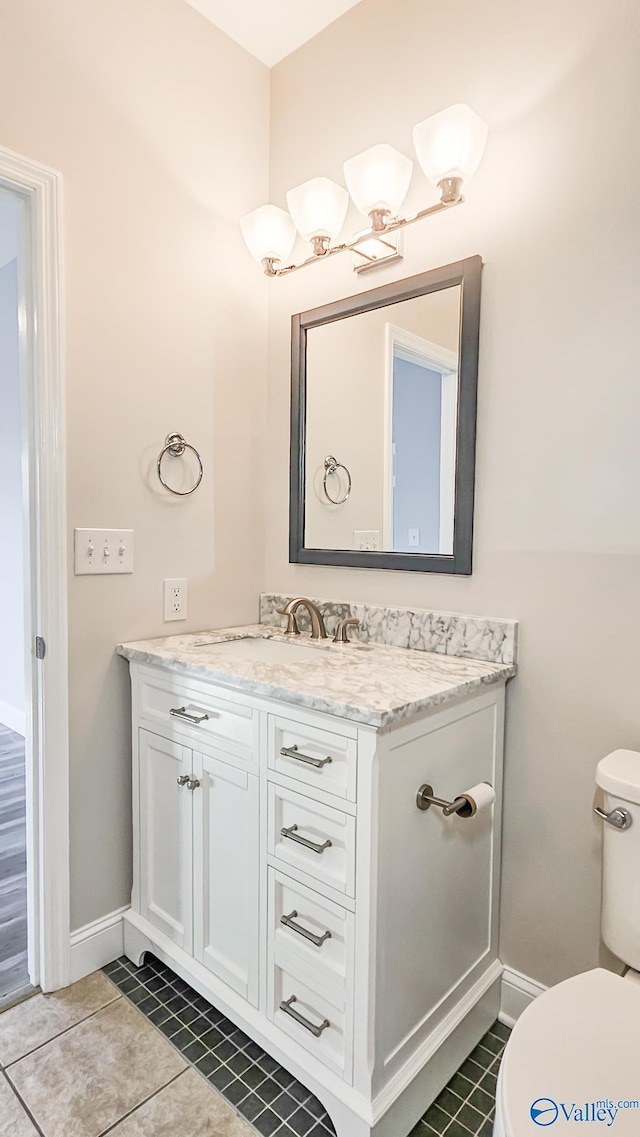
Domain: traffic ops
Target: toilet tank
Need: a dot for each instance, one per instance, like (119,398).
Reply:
(619,776)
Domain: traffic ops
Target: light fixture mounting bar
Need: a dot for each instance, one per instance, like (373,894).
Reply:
(350,246)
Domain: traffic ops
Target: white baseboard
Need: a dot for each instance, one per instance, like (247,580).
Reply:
(97,944)
(516,994)
(13,718)
(102,941)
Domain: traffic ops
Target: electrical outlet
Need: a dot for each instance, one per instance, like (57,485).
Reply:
(101,552)
(175,599)
(367,540)
(414,538)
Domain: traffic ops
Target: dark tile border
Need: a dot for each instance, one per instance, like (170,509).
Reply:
(466,1107)
(274,1102)
(261,1090)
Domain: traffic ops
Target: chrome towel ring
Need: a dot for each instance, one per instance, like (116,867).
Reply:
(331,466)
(175,445)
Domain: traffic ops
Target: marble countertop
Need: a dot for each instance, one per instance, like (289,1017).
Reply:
(368,683)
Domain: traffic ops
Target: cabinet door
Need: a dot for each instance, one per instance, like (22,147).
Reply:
(225,872)
(166,838)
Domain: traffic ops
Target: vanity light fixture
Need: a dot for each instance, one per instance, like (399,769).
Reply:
(449,147)
(378,181)
(269,234)
(318,209)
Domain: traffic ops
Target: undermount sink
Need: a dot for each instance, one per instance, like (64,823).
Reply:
(264,650)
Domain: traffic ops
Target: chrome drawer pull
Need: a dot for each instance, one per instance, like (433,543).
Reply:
(288,921)
(293,752)
(182,713)
(316,1031)
(292,834)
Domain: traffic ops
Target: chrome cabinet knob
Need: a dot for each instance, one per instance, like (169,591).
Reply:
(619,818)
(189,781)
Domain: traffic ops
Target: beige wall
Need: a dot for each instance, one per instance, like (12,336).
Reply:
(159,124)
(553,211)
(346,377)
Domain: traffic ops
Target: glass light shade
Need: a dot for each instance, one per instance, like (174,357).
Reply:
(451,144)
(378,179)
(318,208)
(269,233)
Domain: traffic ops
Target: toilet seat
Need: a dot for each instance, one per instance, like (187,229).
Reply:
(577,1044)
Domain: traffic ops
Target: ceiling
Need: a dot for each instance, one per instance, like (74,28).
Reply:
(271,29)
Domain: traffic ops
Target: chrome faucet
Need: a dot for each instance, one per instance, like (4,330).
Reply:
(318,630)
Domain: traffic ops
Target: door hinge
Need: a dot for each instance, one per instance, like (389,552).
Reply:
(41,648)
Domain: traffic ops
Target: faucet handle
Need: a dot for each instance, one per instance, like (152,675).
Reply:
(342,634)
(292,628)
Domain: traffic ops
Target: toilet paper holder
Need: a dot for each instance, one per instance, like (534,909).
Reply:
(462,805)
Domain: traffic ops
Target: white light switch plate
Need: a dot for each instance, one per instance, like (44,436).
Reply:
(98,552)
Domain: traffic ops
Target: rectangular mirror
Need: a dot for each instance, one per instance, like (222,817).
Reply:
(383,424)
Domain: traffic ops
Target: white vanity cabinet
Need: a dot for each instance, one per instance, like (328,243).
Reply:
(196,826)
(164,831)
(282,867)
(226,873)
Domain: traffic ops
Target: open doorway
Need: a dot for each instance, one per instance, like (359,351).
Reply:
(34,777)
(14,971)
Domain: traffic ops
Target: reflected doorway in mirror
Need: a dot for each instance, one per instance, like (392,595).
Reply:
(421,387)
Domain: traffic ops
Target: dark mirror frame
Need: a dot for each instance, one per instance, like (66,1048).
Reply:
(466,274)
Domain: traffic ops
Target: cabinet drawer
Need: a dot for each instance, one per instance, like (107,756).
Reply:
(318,1018)
(314,756)
(312,837)
(316,931)
(168,703)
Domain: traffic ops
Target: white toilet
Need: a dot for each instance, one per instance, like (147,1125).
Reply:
(574,1054)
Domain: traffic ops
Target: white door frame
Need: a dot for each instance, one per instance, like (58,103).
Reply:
(44,481)
(398,341)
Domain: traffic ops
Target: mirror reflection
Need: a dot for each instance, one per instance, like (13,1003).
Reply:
(381,407)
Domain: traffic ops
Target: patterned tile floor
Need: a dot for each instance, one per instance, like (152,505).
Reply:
(266,1094)
(13,867)
(467,1105)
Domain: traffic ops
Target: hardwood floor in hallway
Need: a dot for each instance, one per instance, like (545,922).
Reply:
(14,978)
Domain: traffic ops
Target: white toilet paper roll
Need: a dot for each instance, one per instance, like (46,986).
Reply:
(480,797)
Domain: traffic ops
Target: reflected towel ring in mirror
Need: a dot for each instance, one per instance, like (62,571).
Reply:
(331,466)
(175,445)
